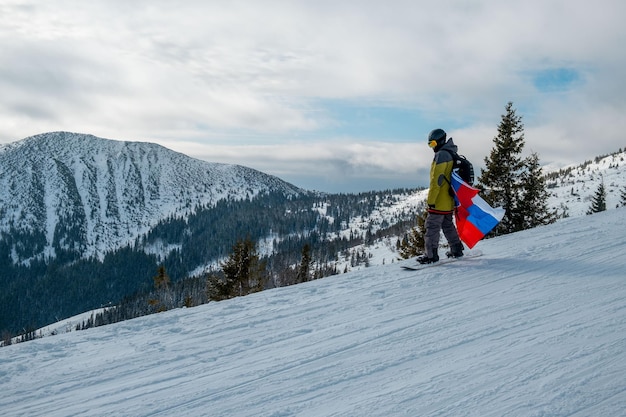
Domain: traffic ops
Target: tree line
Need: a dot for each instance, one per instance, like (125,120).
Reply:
(46,290)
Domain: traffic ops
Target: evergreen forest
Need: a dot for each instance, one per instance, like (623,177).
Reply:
(190,250)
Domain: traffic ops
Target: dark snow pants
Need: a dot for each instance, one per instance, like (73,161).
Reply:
(435,223)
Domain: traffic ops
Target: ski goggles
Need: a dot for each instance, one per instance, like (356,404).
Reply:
(432,143)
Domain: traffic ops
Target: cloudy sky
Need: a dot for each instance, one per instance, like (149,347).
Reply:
(330,95)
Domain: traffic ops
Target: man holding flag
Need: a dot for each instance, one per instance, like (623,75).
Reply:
(440,202)
(448,195)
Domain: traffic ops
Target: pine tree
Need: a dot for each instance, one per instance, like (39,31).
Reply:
(533,206)
(623,197)
(161,280)
(598,202)
(503,168)
(217,288)
(244,273)
(162,298)
(304,271)
(413,243)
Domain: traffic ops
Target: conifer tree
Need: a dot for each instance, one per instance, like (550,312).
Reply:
(162,299)
(161,280)
(503,168)
(533,206)
(598,202)
(244,273)
(413,243)
(217,287)
(623,197)
(304,271)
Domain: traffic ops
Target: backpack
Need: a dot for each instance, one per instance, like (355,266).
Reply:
(462,166)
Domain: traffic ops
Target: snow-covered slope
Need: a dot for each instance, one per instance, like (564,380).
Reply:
(93,195)
(535,327)
(571,190)
(573,187)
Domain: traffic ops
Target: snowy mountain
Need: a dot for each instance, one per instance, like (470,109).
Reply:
(90,195)
(534,327)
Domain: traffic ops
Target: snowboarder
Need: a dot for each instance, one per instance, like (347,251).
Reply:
(440,201)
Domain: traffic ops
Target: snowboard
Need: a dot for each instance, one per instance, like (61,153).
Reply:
(443,261)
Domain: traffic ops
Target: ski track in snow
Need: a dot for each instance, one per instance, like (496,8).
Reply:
(534,327)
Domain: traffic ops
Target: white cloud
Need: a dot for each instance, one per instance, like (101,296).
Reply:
(335,162)
(243,73)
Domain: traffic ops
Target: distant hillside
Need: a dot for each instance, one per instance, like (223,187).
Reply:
(86,195)
(573,186)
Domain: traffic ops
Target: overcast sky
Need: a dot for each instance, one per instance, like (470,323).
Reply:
(331,95)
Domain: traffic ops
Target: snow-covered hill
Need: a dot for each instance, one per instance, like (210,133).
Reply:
(534,327)
(573,187)
(93,195)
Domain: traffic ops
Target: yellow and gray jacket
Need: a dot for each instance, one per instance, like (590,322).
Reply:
(439,199)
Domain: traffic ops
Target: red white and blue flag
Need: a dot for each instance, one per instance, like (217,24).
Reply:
(474,217)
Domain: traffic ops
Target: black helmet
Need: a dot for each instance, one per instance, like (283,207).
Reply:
(436,138)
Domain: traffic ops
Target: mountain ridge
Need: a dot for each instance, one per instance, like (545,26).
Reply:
(109,192)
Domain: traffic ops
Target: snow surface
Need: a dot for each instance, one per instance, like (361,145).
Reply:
(534,327)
